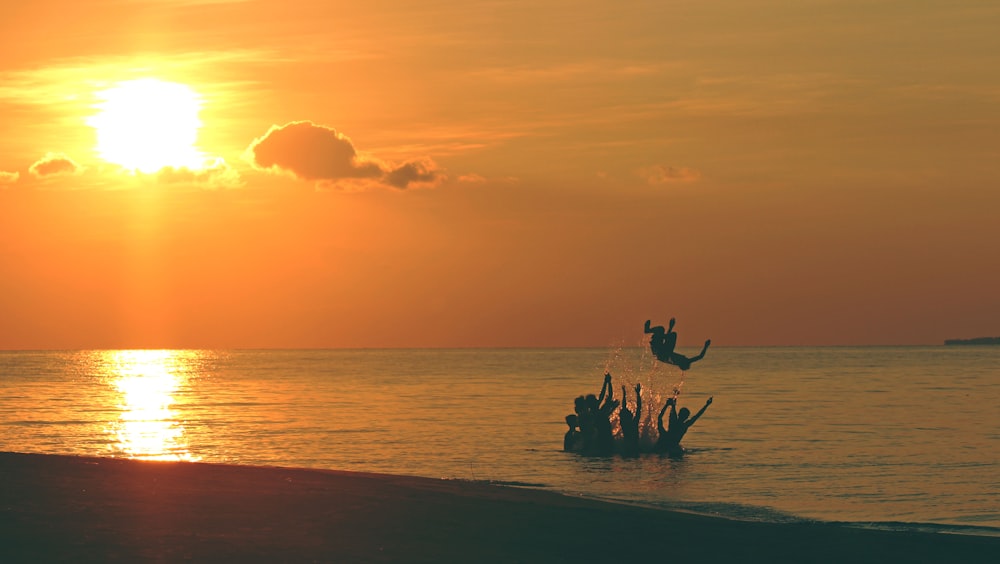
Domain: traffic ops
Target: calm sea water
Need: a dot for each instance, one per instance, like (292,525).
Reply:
(903,436)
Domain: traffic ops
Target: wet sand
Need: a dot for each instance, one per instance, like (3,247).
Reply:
(62,508)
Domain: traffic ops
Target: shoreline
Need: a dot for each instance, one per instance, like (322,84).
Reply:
(71,508)
(783,518)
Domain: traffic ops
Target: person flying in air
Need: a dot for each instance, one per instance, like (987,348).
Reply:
(663,342)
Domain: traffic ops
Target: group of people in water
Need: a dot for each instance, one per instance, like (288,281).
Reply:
(591,429)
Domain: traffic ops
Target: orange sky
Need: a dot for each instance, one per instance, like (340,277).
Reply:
(401,173)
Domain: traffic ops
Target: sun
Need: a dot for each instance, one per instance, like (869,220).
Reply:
(147,124)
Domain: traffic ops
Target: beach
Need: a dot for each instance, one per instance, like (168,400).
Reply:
(87,509)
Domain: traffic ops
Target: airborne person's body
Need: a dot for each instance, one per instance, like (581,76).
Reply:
(664,341)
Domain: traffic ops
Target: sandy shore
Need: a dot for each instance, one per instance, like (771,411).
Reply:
(61,508)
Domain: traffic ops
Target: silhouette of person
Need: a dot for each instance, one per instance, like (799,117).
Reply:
(572,439)
(585,421)
(630,422)
(593,418)
(602,408)
(669,440)
(664,341)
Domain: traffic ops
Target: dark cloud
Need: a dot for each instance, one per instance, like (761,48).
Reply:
(311,152)
(316,152)
(660,174)
(54,164)
(416,172)
(8,177)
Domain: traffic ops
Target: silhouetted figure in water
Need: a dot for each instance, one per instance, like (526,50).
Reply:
(572,441)
(664,341)
(630,422)
(585,421)
(593,418)
(669,440)
(602,408)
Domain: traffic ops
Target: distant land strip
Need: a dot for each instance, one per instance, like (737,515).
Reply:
(975,341)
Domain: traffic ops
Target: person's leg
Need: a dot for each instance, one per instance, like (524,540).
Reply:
(704,349)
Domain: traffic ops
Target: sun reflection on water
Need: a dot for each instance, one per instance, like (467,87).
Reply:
(146,380)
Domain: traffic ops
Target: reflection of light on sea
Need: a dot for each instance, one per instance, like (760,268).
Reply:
(147,428)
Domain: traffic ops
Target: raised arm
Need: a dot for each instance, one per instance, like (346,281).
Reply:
(700,412)
(638,401)
(701,355)
(605,387)
(645,328)
(611,405)
(610,388)
(659,420)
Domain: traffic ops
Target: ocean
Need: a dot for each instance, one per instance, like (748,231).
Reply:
(894,437)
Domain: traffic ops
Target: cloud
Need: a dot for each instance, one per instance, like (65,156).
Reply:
(54,164)
(311,152)
(217,175)
(597,69)
(414,172)
(660,174)
(316,152)
(472,178)
(8,177)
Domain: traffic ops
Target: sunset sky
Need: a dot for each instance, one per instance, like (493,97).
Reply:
(441,173)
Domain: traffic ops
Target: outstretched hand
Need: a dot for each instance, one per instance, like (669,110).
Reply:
(709,402)
(638,389)
(607,376)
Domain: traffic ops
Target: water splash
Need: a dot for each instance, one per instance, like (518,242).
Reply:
(631,365)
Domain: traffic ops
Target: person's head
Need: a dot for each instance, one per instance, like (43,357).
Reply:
(579,404)
(683,413)
(591,401)
(571,421)
(683,364)
(625,414)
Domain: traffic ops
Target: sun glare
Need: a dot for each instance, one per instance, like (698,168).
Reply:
(148,427)
(148,124)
